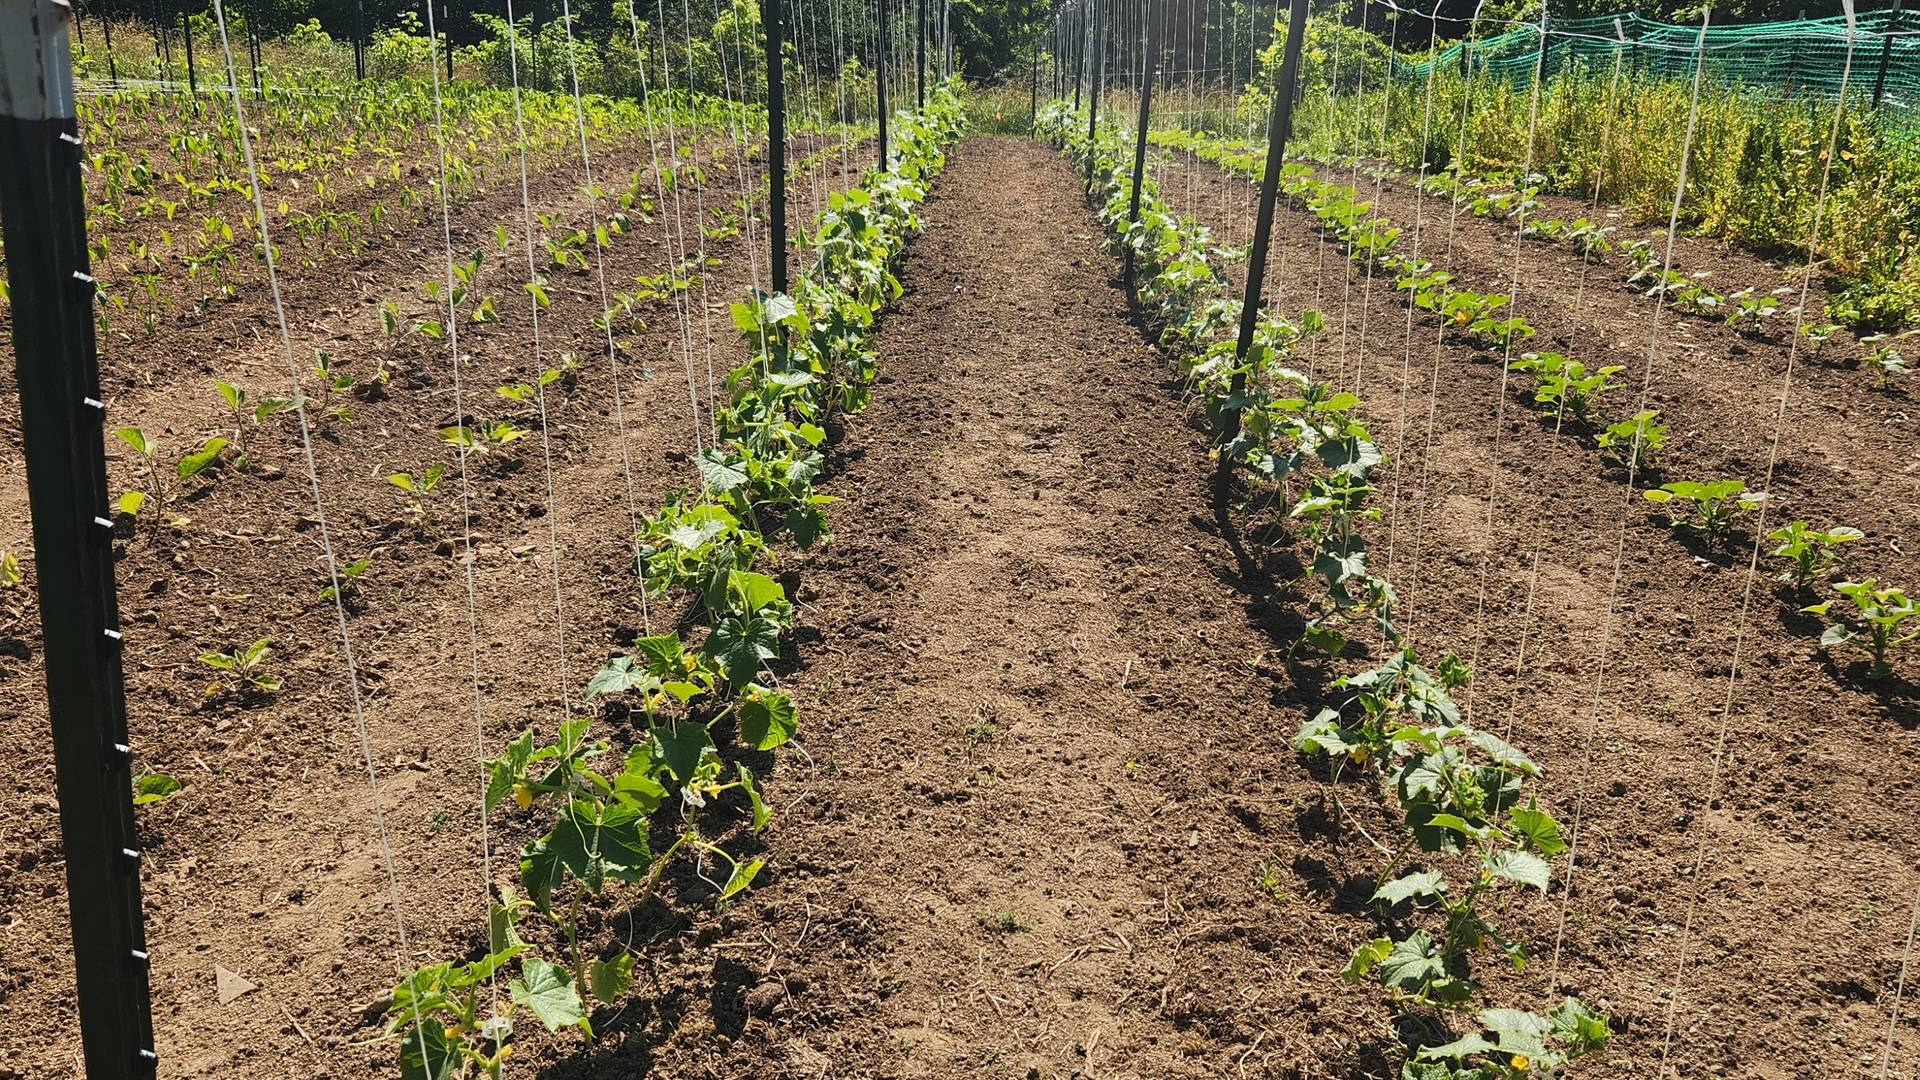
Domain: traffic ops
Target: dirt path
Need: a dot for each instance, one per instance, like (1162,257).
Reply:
(1047,766)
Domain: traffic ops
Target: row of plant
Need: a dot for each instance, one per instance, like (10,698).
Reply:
(1568,391)
(1755,174)
(1472,834)
(690,713)
(1746,309)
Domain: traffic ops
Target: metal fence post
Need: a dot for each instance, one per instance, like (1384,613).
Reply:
(1140,135)
(776,143)
(880,84)
(1099,78)
(1886,52)
(1279,127)
(43,221)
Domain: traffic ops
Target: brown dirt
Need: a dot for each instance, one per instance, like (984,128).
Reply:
(1805,827)
(266,863)
(1043,820)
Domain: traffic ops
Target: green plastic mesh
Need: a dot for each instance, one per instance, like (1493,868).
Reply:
(1801,56)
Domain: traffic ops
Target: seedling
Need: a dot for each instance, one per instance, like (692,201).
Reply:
(202,459)
(332,381)
(131,502)
(482,438)
(1711,508)
(349,586)
(1885,360)
(1750,311)
(1818,335)
(152,787)
(1812,555)
(419,488)
(1875,627)
(9,571)
(1564,385)
(247,412)
(242,669)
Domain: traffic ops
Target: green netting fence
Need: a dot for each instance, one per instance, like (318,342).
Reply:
(1799,56)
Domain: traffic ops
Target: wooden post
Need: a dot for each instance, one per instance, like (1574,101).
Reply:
(62,424)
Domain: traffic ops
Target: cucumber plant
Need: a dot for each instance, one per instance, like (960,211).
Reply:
(1636,442)
(1875,624)
(1812,555)
(1712,508)
(242,669)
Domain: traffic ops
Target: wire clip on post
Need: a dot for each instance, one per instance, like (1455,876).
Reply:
(62,418)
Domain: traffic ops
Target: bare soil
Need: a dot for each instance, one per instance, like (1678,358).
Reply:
(1043,819)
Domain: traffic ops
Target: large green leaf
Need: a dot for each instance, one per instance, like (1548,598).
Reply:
(618,676)
(547,990)
(427,1054)
(1540,829)
(1521,866)
(738,646)
(1423,883)
(682,746)
(766,719)
(1412,963)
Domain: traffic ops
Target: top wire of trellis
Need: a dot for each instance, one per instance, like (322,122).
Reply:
(1799,56)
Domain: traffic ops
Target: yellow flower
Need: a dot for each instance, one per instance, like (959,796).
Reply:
(1520,1062)
(522,797)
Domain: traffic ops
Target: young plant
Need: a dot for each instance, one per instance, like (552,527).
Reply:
(332,381)
(418,488)
(248,413)
(1818,335)
(482,438)
(1812,555)
(242,670)
(1885,360)
(152,787)
(10,576)
(1749,311)
(349,587)
(1563,385)
(131,502)
(1712,508)
(1876,625)
(1512,1044)
(1635,443)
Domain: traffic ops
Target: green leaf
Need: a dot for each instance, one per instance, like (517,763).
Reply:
(1540,829)
(664,654)
(743,874)
(1465,1046)
(427,1053)
(617,677)
(739,646)
(547,990)
(1412,963)
(131,502)
(610,979)
(757,591)
(1520,866)
(766,719)
(1424,883)
(137,439)
(681,747)
(1366,958)
(1580,1027)
(194,463)
(153,787)
(718,474)
(762,813)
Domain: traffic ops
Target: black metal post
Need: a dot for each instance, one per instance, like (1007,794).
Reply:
(1033,106)
(946,39)
(1279,127)
(359,41)
(106,35)
(880,83)
(776,142)
(446,30)
(920,58)
(43,222)
(1080,54)
(1099,76)
(193,77)
(1886,52)
(1140,134)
